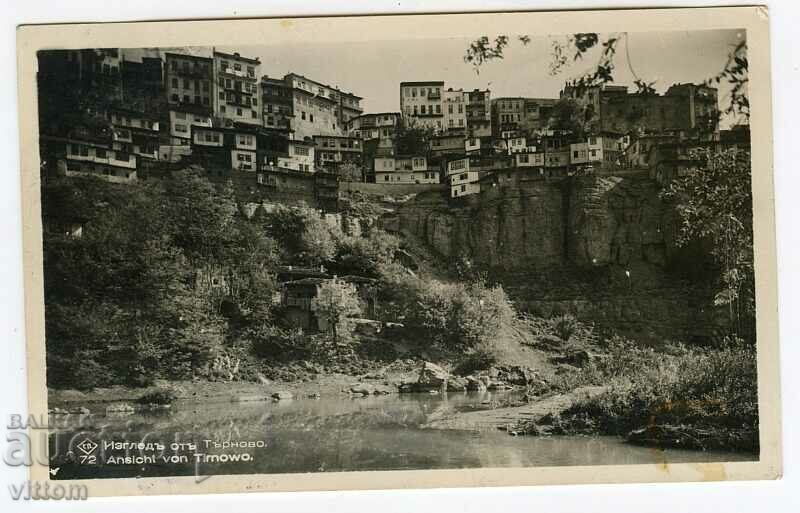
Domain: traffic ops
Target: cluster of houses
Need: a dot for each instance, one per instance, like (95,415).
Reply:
(118,112)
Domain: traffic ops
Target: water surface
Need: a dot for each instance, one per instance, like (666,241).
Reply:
(333,434)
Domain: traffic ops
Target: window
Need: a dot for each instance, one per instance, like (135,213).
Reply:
(254,114)
(205,86)
(422,109)
(180,115)
(450,109)
(175,83)
(301,151)
(197,100)
(222,109)
(100,153)
(179,127)
(237,66)
(414,92)
(311,117)
(221,95)
(302,115)
(84,151)
(255,101)
(422,91)
(594,153)
(238,112)
(185,98)
(227,83)
(463,188)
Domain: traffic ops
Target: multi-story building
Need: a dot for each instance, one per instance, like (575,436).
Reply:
(454,103)
(276,103)
(479,113)
(507,116)
(404,170)
(334,151)
(87,149)
(382,125)
(236,98)
(143,84)
(421,104)
(611,108)
(320,109)
(463,180)
(221,150)
(134,132)
(444,144)
(189,82)
(537,115)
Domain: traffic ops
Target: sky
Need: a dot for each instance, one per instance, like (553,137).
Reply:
(374,70)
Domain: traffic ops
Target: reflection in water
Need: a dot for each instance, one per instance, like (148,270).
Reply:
(337,434)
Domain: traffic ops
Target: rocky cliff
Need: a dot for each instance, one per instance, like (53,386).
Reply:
(600,247)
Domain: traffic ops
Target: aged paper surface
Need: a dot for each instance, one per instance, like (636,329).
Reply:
(241,33)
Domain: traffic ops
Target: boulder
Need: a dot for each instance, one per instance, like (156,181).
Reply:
(475,384)
(457,384)
(360,389)
(406,388)
(432,377)
(282,395)
(578,357)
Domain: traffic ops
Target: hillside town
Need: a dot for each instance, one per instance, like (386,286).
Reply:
(215,230)
(127,115)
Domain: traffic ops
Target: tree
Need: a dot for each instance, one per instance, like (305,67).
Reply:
(412,139)
(714,204)
(336,302)
(305,237)
(568,116)
(350,172)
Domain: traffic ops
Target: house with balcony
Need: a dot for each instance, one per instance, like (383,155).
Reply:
(332,152)
(236,89)
(404,170)
(135,132)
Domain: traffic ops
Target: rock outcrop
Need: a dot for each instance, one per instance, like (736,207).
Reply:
(600,247)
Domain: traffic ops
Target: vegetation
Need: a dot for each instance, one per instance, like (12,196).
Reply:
(336,303)
(705,392)
(714,203)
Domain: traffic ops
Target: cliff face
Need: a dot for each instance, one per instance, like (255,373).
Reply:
(512,228)
(599,247)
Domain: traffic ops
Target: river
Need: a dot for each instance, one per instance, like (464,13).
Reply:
(326,435)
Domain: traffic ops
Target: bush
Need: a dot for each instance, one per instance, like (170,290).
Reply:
(700,388)
(161,396)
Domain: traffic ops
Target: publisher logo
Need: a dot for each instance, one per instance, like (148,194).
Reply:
(87,446)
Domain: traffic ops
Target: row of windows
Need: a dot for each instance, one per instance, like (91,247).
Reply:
(183,115)
(232,97)
(197,67)
(239,112)
(191,84)
(101,153)
(186,99)
(224,65)
(238,85)
(423,91)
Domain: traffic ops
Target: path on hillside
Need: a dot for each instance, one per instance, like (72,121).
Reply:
(498,418)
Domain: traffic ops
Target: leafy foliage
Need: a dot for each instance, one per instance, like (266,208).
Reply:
(715,205)
(335,303)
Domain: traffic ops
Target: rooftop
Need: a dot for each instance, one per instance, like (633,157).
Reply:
(334,88)
(237,57)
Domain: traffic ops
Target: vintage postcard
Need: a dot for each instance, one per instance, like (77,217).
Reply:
(485,249)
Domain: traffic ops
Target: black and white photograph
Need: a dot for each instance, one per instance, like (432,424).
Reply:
(501,250)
